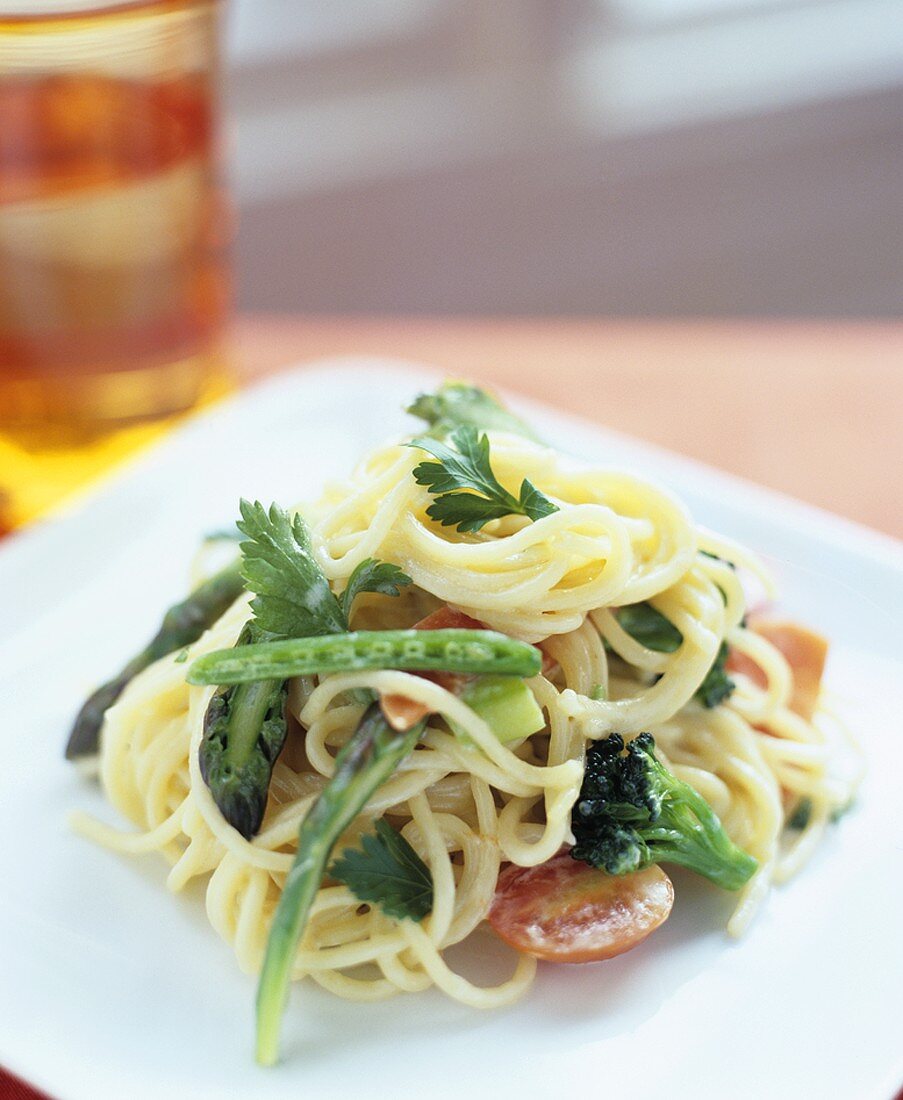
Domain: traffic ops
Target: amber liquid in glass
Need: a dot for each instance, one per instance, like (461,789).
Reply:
(113,278)
(114,283)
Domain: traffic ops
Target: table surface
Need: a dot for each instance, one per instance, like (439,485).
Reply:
(814,409)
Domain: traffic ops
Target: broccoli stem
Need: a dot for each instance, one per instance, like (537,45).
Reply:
(697,841)
(182,624)
(368,759)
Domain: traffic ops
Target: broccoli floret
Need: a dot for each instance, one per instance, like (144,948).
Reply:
(632,812)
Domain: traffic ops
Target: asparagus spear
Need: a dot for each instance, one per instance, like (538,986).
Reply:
(368,759)
(182,624)
(244,731)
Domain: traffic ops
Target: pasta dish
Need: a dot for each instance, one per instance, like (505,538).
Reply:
(478,681)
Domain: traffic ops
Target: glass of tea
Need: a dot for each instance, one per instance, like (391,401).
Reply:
(114,281)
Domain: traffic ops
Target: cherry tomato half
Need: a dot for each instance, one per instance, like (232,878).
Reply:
(566,911)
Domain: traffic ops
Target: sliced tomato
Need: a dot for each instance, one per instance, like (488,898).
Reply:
(568,912)
(805,652)
(447,618)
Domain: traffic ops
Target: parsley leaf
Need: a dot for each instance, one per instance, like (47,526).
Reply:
(292,596)
(456,403)
(650,627)
(373,576)
(388,872)
(461,474)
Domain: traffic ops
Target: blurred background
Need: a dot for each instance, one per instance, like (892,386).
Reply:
(666,157)
(607,204)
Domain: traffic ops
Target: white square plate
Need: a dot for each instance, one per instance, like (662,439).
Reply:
(111,988)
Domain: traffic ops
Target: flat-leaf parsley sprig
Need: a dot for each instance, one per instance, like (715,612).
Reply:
(468,494)
(388,872)
(373,576)
(292,597)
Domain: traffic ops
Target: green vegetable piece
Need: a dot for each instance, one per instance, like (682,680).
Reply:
(244,731)
(651,629)
(802,812)
(182,624)
(450,650)
(387,872)
(468,494)
(506,705)
(373,576)
(456,403)
(632,811)
(717,685)
(368,759)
